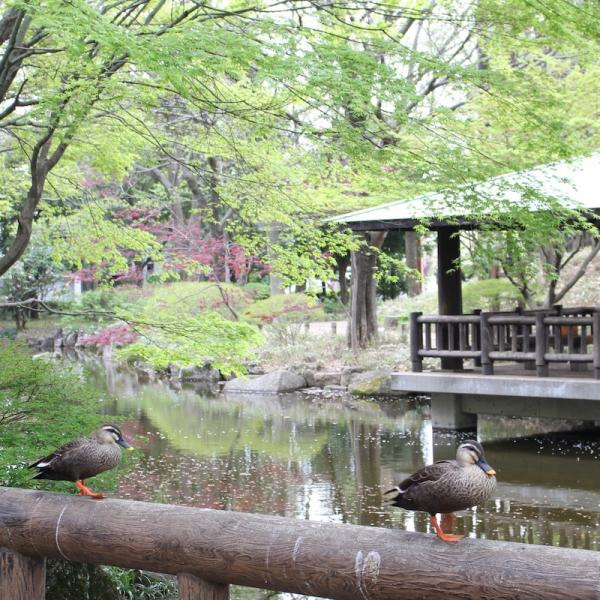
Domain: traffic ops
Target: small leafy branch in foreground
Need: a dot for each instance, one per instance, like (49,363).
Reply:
(192,340)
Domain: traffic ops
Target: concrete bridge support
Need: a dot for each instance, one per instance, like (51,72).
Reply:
(447,413)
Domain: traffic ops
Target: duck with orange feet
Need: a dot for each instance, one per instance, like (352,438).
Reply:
(83,458)
(447,486)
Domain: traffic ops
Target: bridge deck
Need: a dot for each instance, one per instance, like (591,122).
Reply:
(511,381)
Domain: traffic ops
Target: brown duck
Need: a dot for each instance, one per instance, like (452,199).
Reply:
(83,458)
(447,486)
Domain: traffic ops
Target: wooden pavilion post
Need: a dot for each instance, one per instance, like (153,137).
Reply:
(449,281)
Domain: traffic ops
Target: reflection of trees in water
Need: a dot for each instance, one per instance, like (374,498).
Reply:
(331,460)
(366,456)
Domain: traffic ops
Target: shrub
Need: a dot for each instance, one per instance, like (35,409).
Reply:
(490,294)
(42,406)
(102,300)
(260,291)
(287,307)
(191,298)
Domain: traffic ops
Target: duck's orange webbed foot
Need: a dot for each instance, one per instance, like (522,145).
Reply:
(447,521)
(84,491)
(446,537)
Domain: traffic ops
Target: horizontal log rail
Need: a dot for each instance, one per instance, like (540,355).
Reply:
(535,338)
(210,549)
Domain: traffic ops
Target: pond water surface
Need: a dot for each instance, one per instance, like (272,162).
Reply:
(330,459)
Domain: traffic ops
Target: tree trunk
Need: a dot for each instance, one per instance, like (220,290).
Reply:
(343,264)
(412,249)
(363,305)
(274,279)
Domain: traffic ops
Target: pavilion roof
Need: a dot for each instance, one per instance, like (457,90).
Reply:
(574,183)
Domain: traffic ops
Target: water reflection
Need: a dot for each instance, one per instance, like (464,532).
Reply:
(331,459)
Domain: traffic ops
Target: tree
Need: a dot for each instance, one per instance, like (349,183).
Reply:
(32,278)
(305,110)
(536,268)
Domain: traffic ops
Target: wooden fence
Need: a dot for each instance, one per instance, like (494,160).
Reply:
(209,549)
(535,338)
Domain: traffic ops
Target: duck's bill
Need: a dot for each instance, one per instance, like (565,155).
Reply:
(485,467)
(125,445)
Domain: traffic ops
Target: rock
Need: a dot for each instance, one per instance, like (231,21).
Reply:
(347,374)
(335,388)
(204,374)
(175,372)
(47,343)
(45,355)
(70,340)
(144,373)
(58,340)
(275,382)
(325,378)
(370,383)
(309,377)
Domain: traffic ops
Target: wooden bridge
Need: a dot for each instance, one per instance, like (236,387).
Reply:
(209,549)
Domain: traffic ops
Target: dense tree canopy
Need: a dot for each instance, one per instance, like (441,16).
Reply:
(130,130)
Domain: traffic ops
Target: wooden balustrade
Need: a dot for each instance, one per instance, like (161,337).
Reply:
(535,338)
(210,549)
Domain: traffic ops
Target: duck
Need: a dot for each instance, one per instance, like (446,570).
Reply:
(447,486)
(83,458)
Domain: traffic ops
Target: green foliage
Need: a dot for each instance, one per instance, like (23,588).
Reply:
(90,237)
(490,295)
(285,307)
(66,580)
(42,406)
(191,340)
(485,294)
(31,277)
(102,300)
(192,298)
(332,306)
(260,291)
(133,584)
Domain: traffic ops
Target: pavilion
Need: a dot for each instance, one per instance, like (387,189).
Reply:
(536,339)
(573,183)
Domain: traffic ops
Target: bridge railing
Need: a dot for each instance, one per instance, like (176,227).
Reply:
(535,338)
(210,549)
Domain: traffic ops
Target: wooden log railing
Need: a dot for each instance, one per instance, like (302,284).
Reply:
(210,549)
(535,338)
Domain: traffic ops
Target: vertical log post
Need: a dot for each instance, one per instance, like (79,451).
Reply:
(449,284)
(487,366)
(476,337)
(194,588)
(416,342)
(540,345)
(21,577)
(596,343)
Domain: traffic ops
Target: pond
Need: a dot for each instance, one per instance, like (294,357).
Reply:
(329,459)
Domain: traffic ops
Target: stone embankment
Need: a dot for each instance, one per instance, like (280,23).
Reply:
(351,379)
(365,383)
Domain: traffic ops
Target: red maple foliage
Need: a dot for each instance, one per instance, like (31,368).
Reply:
(115,335)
